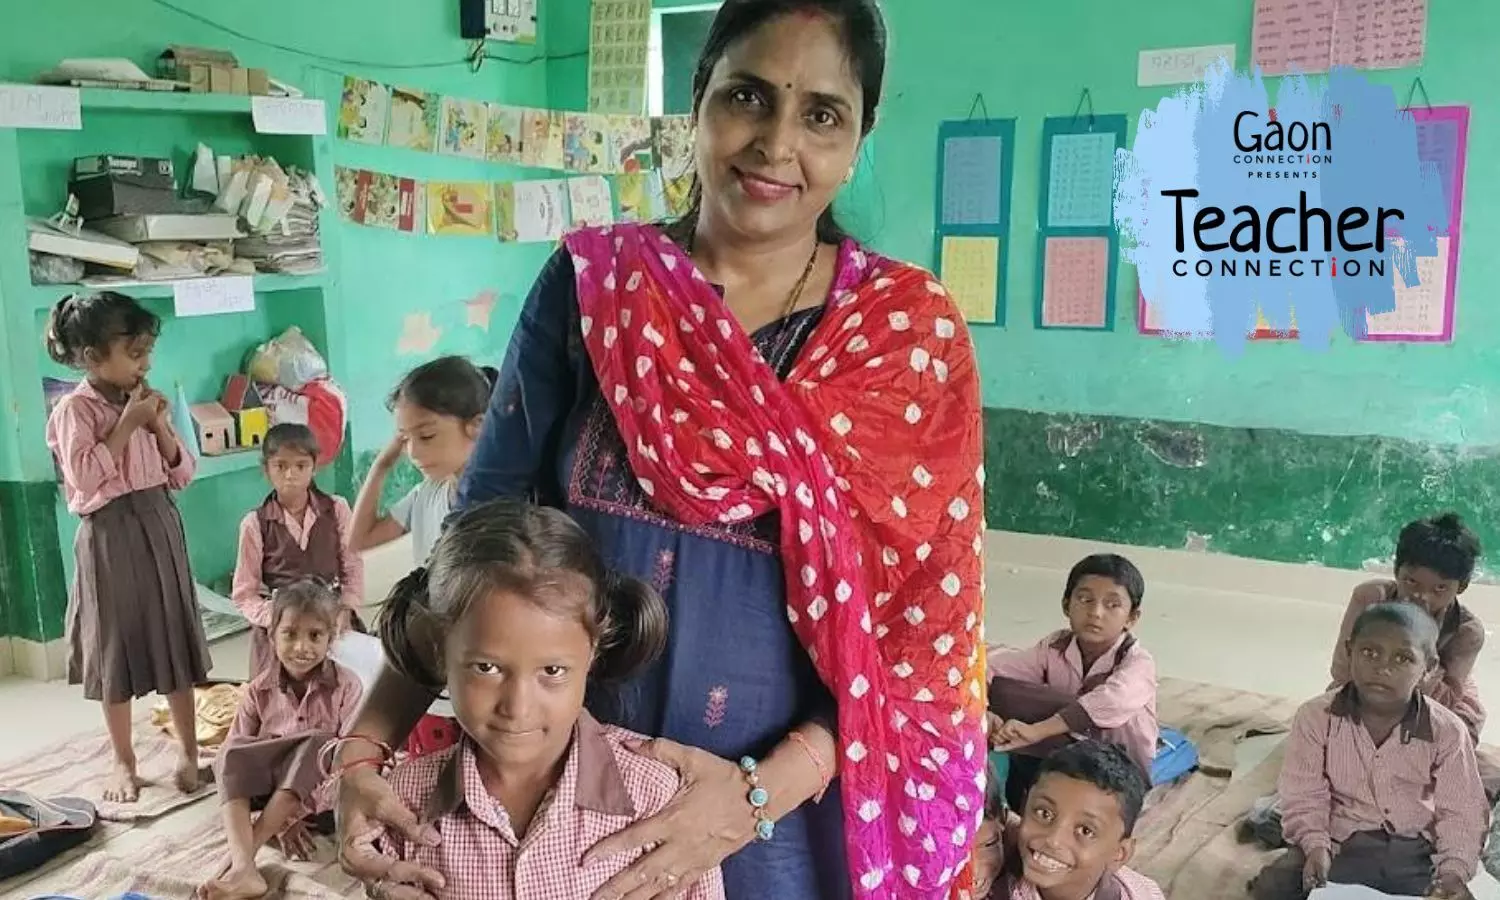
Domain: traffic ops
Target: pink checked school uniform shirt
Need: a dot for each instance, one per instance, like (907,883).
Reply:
(1123,708)
(604,787)
(92,477)
(1127,885)
(248,590)
(1422,782)
(271,708)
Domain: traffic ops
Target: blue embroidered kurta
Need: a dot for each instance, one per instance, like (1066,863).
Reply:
(734,679)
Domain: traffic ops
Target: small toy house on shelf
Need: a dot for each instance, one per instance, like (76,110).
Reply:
(215,427)
(251,418)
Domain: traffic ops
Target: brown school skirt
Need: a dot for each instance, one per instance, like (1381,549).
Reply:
(132,625)
(256,769)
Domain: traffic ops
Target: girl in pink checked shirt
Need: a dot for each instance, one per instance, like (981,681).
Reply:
(132,620)
(287,715)
(515,616)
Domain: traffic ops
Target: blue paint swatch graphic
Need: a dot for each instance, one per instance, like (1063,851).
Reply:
(1081,181)
(1228,203)
(971,180)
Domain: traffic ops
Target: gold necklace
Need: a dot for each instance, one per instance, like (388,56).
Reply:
(796,295)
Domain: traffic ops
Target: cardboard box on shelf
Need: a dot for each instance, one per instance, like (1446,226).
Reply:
(147,171)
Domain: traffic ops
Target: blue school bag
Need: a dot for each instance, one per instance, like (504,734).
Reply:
(1175,757)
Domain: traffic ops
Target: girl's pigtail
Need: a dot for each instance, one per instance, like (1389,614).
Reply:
(407,633)
(635,631)
(54,336)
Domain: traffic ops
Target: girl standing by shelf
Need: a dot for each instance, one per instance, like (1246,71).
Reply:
(132,621)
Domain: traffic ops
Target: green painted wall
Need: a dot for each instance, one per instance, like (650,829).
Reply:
(384,277)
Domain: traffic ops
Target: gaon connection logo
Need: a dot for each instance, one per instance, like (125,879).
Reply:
(1232,207)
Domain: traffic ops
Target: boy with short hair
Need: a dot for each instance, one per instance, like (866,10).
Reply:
(1090,680)
(1380,786)
(1435,559)
(1074,837)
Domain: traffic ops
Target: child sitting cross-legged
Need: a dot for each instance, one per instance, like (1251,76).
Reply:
(1380,786)
(286,715)
(1092,679)
(1073,838)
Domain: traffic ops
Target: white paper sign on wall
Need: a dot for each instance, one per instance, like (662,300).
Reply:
(288,115)
(35,106)
(1181,65)
(214,296)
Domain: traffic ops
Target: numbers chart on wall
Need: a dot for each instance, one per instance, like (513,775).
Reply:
(1077,242)
(1424,312)
(973,214)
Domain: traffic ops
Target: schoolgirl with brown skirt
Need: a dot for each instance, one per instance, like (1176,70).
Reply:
(132,622)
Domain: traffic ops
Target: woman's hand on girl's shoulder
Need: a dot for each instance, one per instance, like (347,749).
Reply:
(703,825)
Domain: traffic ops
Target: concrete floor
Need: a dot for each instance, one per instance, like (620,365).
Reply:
(1252,625)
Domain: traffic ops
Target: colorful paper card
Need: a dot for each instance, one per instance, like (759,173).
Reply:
(364,111)
(1075,283)
(642,196)
(976,161)
(459,208)
(590,202)
(972,187)
(672,138)
(629,144)
(542,142)
(414,120)
(970,268)
(531,211)
(1425,312)
(506,131)
(585,148)
(1081,181)
(465,128)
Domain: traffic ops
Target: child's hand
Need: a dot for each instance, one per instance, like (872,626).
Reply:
(141,408)
(296,842)
(161,423)
(1448,886)
(1315,870)
(1017,735)
(993,725)
(391,452)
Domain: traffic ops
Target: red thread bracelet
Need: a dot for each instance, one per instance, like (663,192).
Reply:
(824,776)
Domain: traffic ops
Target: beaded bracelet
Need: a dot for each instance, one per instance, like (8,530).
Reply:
(758,797)
(824,776)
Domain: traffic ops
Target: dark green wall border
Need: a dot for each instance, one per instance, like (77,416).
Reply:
(1259,493)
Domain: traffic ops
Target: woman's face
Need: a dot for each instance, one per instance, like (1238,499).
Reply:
(778,127)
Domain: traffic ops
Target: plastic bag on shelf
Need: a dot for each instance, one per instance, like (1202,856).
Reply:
(289,360)
(320,405)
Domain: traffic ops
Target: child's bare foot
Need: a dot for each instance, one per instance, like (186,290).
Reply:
(235,885)
(187,775)
(123,786)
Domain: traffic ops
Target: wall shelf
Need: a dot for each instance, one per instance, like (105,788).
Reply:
(45,296)
(178,102)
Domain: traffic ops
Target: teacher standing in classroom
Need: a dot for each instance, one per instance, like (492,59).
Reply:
(779,429)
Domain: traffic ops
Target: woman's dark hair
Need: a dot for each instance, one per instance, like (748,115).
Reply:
(83,322)
(1409,617)
(862,31)
(1441,543)
(307,595)
(1105,766)
(448,386)
(533,552)
(289,436)
(1114,567)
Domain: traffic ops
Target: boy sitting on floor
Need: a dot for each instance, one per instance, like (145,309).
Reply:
(1435,558)
(1074,838)
(1380,785)
(1092,679)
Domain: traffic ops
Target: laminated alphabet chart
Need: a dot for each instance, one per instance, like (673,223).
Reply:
(1078,247)
(1424,312)
(972,237)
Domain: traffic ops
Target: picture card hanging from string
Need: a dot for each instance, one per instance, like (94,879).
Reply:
(975,160)
(1077,244)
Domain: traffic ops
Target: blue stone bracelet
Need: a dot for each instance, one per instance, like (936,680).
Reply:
(758,797)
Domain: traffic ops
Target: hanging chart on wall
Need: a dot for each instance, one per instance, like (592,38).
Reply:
(1424,311)
(975,163)
(1077,245)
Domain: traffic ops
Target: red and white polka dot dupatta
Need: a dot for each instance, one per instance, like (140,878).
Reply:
(872,454)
